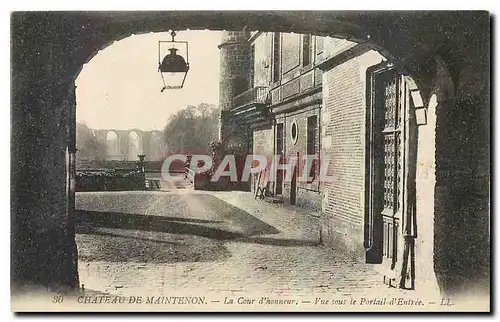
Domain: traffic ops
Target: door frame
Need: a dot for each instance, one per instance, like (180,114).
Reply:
(404,265)
(373,224)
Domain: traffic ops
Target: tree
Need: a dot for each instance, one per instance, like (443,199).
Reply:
(88,145)
(192,129)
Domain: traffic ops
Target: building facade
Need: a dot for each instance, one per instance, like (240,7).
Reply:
(343,110)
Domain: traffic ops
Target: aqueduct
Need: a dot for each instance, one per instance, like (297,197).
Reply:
(127,144)
(446,53)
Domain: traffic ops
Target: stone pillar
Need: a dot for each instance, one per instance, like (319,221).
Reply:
(461,223)
(123,144)
(146,145)
(43,244)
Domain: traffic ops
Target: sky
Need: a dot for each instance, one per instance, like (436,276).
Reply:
(119,88)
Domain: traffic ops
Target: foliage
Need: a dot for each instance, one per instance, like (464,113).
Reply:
(109,181)
(191,130)
(88,145)
(215,147)
(216,150)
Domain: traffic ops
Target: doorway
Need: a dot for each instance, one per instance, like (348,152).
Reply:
(387,160)
(279,152)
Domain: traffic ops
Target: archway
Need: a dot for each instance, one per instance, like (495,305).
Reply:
(155,146)
(406,38)
(113,146)
(134,145)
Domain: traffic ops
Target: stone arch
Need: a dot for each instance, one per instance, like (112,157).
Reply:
(135,146)
(409,55)
(112,146)
(155,146)
(398,44)
(413,42)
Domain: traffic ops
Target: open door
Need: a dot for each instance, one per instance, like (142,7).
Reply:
(388,167)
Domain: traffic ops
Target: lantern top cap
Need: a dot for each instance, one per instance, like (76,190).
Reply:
(173,63)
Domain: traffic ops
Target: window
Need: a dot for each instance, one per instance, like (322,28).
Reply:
(312,146)
(279,138)
(251,80)
(319,44)
(294,132)
(306,50)
(276,57)
(291,52)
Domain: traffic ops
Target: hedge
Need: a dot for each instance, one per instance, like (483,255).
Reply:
(109,181)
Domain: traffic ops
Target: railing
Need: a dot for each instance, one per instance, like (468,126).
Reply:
(153,184)
(256,94)
(198,180)
(190,175)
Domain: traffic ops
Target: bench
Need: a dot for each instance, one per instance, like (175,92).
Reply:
(152,184)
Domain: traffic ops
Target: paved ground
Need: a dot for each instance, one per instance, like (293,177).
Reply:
(219,243)
(221,246)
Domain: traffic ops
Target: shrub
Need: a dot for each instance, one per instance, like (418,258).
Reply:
(109,181)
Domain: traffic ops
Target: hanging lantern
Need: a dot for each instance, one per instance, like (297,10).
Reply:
(173,68)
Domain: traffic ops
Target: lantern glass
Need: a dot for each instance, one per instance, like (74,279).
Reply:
(173,80)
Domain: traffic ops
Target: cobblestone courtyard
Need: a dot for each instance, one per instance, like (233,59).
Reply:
(220,243)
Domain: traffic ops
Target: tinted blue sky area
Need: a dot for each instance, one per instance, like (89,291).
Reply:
(120,87)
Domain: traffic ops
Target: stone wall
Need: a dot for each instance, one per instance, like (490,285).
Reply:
(262,59)
(308,193)
(43,247)
(462,170)
(343,143)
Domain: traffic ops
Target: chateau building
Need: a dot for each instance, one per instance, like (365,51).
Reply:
(343,110)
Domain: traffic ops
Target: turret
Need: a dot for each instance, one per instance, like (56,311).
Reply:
(235,64)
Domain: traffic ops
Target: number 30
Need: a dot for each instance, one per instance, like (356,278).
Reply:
(58,299)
